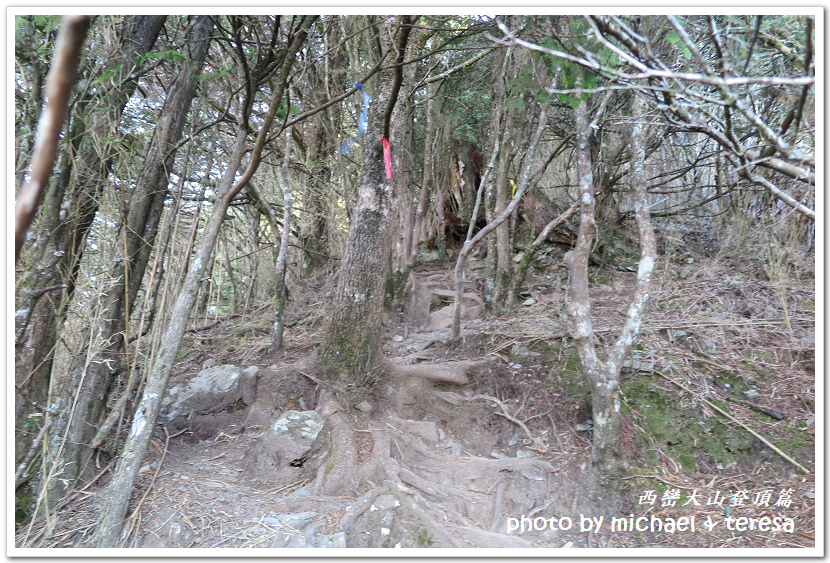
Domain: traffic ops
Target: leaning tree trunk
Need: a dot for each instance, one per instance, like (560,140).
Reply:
(86,387)
(46,288)
(117,496)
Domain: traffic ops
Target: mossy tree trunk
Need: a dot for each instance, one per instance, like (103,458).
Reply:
(349,351)
(349,348)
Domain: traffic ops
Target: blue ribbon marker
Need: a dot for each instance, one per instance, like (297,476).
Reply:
(361,124)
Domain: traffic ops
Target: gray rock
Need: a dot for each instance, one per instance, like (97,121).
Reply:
(211,391)
(519,351)
(456,449)
(296,521)
(497,454)
(425,429)
(287,442)
(364,406)
(706,346)
(337,540)
(752,395)
(585,426)
(639,365)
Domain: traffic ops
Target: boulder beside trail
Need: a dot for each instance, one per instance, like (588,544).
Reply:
(211,391)
(287,444)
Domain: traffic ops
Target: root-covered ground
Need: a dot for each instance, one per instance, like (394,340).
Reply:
(456,447)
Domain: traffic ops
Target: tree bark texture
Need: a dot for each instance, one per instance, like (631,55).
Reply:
(281,296)
(59,84)
(89,379)
(46,288)
(349,348)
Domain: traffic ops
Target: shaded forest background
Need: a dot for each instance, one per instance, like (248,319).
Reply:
(210,167)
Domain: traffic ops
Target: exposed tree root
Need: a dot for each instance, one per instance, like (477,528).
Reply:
(337,473)
(443,372)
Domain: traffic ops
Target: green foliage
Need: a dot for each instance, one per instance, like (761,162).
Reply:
(674,38)
(172,55)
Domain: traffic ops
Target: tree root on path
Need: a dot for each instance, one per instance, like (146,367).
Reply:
(443,372)
(537,442)
(336,475)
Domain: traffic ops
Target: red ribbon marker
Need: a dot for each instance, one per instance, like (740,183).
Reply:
(387,157)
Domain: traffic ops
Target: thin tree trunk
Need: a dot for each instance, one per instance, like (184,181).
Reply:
(427,175)
(88,382)
(603,376)
(117,496)
(531,172)
(281,295)
(59,83)
(68,213)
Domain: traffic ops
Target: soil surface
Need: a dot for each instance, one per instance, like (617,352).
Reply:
(511,448)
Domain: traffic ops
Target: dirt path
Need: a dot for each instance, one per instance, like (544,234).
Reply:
(440,464)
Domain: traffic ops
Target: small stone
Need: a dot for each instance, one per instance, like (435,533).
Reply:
(209,363)
(706,346)
(568,545)
(364,406)
(385,531)
(441,434)
(497,454)
(752,395)
(585,426)
(270,521)
(456,449)
(638,365)
(810,495)
(529,302)
(523,454)
(398,338)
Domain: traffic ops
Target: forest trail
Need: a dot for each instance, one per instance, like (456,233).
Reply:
(448,465)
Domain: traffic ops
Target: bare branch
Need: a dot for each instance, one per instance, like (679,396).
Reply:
(59,84)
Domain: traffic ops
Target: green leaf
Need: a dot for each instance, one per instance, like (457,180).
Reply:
(674,38)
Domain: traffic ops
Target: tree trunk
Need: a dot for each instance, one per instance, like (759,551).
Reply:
(427,177)
(349,348)
(281,295)
(604,376)
(88,382)
(117,496)
(46,288)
